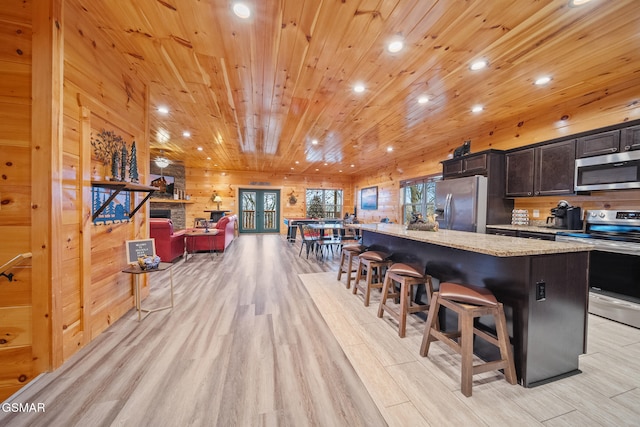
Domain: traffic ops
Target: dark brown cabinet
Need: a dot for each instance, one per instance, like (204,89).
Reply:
(473,164)
(598,144)
(546,170)
(611,142)
(630,139)
(521,233)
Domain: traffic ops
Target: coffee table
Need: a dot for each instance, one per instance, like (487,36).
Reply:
(190,237)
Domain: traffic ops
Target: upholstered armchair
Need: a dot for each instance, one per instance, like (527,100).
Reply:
(169,243)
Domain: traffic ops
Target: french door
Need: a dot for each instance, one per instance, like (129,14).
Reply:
(259,211)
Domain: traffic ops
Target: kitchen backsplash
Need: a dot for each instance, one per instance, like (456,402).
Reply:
(619,199)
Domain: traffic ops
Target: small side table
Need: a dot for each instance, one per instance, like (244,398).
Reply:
(190,243)
(137,271)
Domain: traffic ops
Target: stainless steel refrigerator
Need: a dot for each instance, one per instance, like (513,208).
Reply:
(461,203)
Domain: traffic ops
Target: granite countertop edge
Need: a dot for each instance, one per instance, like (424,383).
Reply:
(490,244)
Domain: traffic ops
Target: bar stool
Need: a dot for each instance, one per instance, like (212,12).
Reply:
(470,302)
(348,254)
(373,262)
(408,277)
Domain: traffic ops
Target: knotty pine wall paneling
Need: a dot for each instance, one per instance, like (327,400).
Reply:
(202,183)
(16,297)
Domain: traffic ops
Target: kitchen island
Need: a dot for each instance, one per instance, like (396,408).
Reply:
(542,284)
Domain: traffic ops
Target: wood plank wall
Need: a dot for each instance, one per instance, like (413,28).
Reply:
(596,109)
(47,166)
(201,184)
(15,194)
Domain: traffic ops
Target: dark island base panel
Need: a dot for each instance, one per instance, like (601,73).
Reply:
(548,332)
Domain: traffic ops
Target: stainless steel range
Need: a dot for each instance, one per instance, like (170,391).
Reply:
(614,268)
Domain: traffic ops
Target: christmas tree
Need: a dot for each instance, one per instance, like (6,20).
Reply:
(315,209)
(133,164)
(123,162)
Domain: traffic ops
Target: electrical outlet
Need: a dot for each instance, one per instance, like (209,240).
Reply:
(536,213)
(541,291)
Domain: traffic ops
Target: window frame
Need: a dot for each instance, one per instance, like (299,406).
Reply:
(426,204)
(337,207)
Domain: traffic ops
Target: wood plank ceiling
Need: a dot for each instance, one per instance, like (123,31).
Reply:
(255,93)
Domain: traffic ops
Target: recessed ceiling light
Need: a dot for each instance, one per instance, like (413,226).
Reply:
(477,108)
(543,80)
(358,88)
(326,164)
(389,149)
(200,148)
(395,45)
(575,3)
(317,169)
(291,168)
(353,166)
(208,158)
(241,10)
(163,110)
(340,170)
(478,65)
(314,141)
(186,134)
(297,162)
(423,99)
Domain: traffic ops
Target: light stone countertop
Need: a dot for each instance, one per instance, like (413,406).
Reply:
(490,244)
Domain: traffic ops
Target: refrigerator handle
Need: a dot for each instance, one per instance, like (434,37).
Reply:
(447,211)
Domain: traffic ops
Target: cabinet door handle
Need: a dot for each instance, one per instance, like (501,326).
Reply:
(529,193)
(537,192)
(614,149)
(627,148)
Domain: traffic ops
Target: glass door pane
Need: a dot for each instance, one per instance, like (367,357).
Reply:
(248,210)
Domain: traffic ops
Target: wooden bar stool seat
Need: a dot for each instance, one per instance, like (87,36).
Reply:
(348,254)
(470,302)
(373,262)
(407,276)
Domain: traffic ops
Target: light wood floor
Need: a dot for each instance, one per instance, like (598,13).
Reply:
(260,336)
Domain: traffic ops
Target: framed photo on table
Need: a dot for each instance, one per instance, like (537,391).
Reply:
(369,198)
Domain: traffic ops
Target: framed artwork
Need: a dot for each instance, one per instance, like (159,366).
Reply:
(164,183)
(369,198)
(116,211)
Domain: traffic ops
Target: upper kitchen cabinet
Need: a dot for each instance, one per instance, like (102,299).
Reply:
(472,164)
(598,144)
(630,139)
(546,170)
(615,141)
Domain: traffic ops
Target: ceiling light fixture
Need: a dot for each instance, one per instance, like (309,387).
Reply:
(576,3)
(389,149)
(395,45)
(314,141)
(477,108)
(241,10)
(478,65)
(200,148)
(423,99)
(163,110)
(541,81)
(186,134)
(358,88)
(161,161)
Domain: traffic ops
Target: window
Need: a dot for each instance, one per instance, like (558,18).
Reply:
(418,196)
(324,203)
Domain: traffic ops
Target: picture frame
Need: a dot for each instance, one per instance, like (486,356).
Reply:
(369,198)
(164,183)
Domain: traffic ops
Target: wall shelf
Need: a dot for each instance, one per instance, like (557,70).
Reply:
(156,200)
(117,187)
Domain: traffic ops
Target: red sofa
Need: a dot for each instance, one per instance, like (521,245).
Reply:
(226,233)
(169,243)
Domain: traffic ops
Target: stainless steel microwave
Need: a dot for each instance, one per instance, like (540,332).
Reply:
(609,172)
